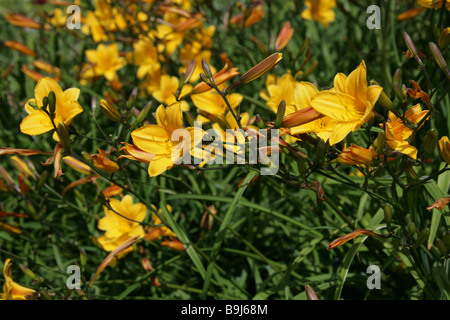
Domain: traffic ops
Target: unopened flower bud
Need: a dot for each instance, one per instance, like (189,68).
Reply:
(64,136)
(207,70)
(412,48)
(410,172)
(28,272)
(444,149)
(397,86)
(430,142)
(188,73)
(381,142)
(423,236)
(83,259)
(132,98)
(412,230)
(280,113)
(441,247)
(444,38)
(259,121)
(257,71)
(310,293)
(388,215)
(383,99)
(189,118)
(437,55)
(144,112)
(110,111)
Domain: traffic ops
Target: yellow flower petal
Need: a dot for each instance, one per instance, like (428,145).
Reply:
(160,164)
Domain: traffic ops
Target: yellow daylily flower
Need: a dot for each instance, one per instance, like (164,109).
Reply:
(161,231)
(279,89)
(397,133)
(105,61)
(323,126)
(211,102)
(320,10)
(157,138)
(145,55)
(123,224)
(12,290)
(67,107)
(168,86)
(350,102)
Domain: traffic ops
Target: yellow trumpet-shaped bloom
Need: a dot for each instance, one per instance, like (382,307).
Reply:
(121,223)
(397,133)
(167,88)
(67,107)
(279,89)
(323,126)
(320,10)
(157,138)
(350,102)
(105,61)
(357,155)
(12,290)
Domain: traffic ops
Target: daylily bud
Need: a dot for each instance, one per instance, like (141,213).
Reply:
(423,236)
(83,259)
(300,117)
(388,215)
(42,180)
(430,142)
(22,166)
(64,136)
(410,172)
(302,166)
(110,111)
(33,105)
(441,247)
(77,165)
(189,118)
(260,69)
(397,85)
(383,99)
(132,98)
(310,293)
(188,73)
(205,79)
(144,112)
(20,48)
(444,149)
(280,113)
(381,142)
(437,55)
(45,103)
(412,230)
(259,121)
(412,48)
(207,70)
(28,272)
(51,104)
(444,38)
(284,36)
